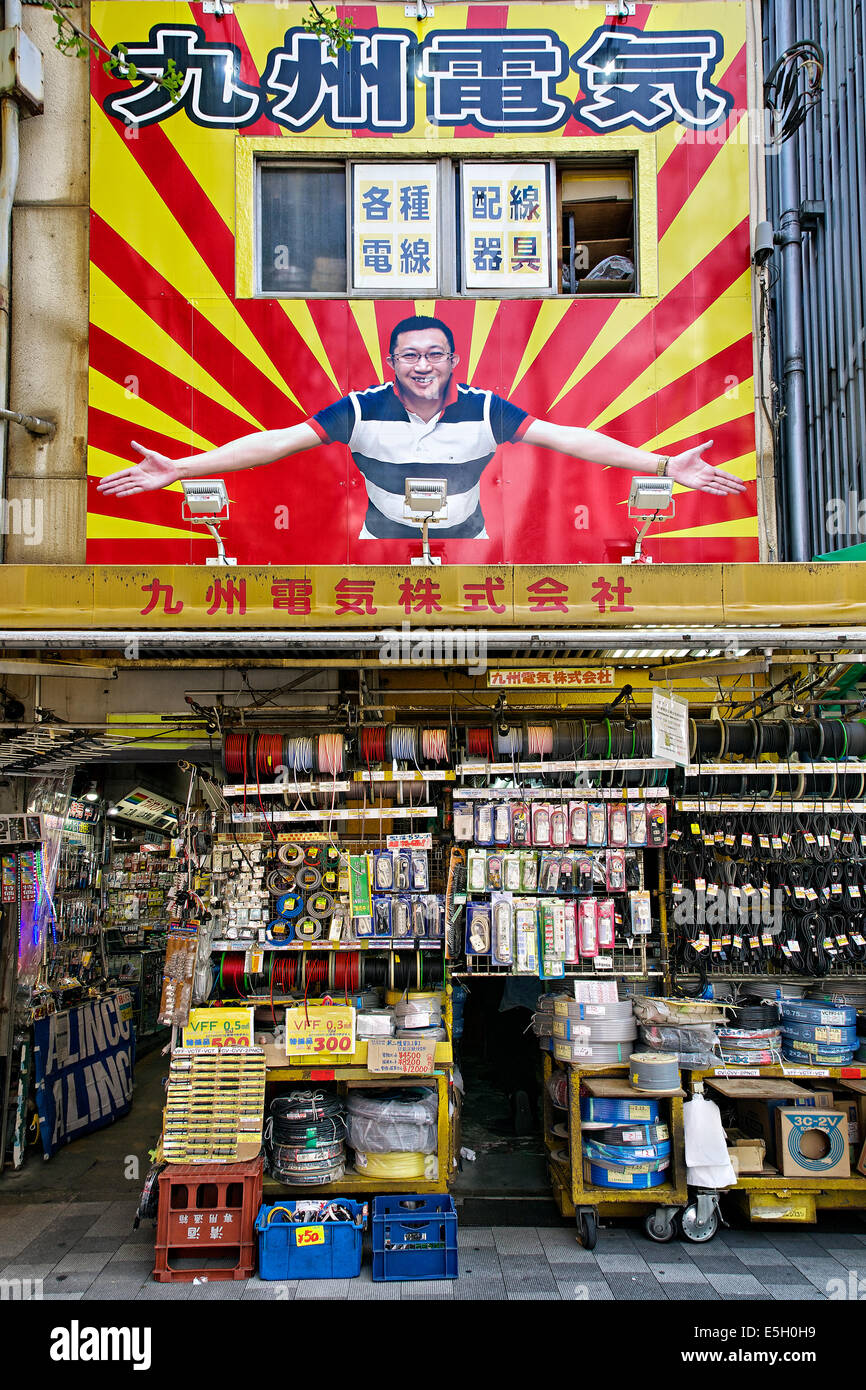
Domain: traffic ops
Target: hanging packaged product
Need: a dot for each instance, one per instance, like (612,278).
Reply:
(494,872)
(637,830)
(401,920)
(558,827)
(360,904)
(502,824)
(476,870)
(362,927)
(552,930)
(541,823)
(614,871)
(502,945)
(464,822)
(520,824)
(529,871)
(587,929)
(483,823)
(477,929)
(657,824)
(572,955)
(511,873)
(583,872)
(381,916)
(402,872)
(617,824)
(525,937)
(577,822)
(605,924)
(548,873)
(596,835)
(641,913)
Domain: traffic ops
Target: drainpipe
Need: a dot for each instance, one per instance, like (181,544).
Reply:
(797,480)
(8,182)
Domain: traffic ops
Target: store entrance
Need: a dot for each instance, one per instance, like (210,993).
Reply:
(501,1068)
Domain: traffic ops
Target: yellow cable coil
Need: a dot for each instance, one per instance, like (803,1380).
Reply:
(396,1166)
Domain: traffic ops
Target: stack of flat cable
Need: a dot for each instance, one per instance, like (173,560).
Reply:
(693,1044)
(420,1016)
(750,1047)
(625,1144)
(814,1032)
(374,1023)
(306,1139)
(604,1036)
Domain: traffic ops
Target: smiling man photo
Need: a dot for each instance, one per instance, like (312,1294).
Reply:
(423,425)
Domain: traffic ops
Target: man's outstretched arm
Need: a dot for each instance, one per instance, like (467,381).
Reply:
(155,470)
(687,468)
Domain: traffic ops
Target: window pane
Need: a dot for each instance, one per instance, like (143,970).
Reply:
(506,227)
(395,217)
(303,230)
(597,230)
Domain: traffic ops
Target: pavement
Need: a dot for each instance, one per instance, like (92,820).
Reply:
(88,1250)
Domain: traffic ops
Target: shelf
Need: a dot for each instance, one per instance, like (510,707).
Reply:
(782,805)
(367,944)
(481,769)
(342,813)
(563,794)
(347,1067)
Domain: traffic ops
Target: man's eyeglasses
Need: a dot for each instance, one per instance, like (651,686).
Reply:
(434,357)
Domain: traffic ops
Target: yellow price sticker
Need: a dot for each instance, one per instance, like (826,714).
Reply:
(310,1235)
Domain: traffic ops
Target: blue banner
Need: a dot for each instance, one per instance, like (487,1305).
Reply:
(84,1066)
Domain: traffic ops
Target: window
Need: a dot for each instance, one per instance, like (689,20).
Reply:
(445,228)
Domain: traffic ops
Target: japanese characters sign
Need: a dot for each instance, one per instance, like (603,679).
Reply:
(395,217)
(318,1030)
(506,234)
(558,676)
(401,1056)
(219,1028)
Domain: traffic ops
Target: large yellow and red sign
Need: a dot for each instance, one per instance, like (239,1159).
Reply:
(187,354)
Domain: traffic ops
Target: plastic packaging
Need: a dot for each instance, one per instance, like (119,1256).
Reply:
(707,1161)
(393,1121)
(612,268)
(577,822)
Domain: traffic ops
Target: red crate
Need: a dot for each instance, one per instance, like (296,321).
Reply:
(220,1200)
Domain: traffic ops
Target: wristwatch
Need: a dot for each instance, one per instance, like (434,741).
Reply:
(662,467)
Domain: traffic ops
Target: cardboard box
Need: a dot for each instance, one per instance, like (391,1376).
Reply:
(746,1155)
(812,1143)
(861,1162)
(757,1118)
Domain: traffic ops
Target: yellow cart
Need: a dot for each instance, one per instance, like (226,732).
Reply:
(585,1202)
(771,1196)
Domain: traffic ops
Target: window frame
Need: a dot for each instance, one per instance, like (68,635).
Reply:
(638,152)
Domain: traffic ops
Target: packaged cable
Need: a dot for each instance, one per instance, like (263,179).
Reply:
(398,1121)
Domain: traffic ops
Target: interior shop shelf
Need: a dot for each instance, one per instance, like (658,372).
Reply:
(379,944)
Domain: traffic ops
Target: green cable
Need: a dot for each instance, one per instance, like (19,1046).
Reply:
(633,740)
(609,737)
(845,736)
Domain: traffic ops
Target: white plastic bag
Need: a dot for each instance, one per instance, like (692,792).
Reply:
(707,1161)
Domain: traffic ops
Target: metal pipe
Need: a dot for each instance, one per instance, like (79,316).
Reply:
(33,423)
(829,637)
(793,336)
(8,184)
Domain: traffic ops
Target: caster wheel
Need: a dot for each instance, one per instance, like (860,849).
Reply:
(587,1229)
(695,1231)
(660,1225)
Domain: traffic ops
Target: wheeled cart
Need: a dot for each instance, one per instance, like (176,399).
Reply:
(577,1197)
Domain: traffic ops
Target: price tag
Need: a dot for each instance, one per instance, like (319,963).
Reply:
(809,837)
(777,843)
(763,842)
(746,841)
(310,1235)
(835,834)
(754,943)
(737,943)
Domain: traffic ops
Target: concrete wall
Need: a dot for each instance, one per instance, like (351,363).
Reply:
(48,374)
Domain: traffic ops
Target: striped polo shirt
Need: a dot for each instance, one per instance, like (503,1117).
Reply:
(389,444)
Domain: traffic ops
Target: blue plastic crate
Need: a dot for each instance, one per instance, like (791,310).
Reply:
(310,1249)
(414,1237)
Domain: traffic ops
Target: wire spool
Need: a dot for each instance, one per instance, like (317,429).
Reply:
(402,743)
(711,736)
(772,738)
(320,906)
(371,744)
(615,1176)
(654,1071)
(479,744)
(611,1030)
(309,1174)
(591,1054)
(396,1167)
(289,906)
(856,731)
(434,746)
(308,878)
(599,1110)
(591,1013)
(290,855)
(753,1017)
(816,1014)
(437,1034)
(740,737)
(298,754)
(308,929)
(269,755)
(280,881)
(235,755)
(634,1135)
(539,741)
(655,1156)
(423,1012)
(509,744)
(330,753)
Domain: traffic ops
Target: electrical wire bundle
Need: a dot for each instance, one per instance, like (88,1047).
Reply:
(624,1143)
(306,1138)
(393,1132)
(817,1034)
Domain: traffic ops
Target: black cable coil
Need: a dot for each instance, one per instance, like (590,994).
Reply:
(307,1115)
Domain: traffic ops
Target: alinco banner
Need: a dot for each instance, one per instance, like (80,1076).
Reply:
(474,272)
(84,1064)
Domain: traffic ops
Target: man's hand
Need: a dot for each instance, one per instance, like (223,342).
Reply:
(690,470)
(153,472)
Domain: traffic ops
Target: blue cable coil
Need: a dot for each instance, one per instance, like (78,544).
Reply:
(813,1059)
(632,1179)
(623,1155)
(599,1109)
(632,1134)
(805,1047)
(838,1015)
(821,1033)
